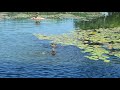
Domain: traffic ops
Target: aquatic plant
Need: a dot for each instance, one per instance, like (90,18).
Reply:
(95,42)
(110,21)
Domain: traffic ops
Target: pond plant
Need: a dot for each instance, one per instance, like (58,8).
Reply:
(99,43)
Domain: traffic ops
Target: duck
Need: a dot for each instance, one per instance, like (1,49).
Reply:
(53,45)
(53,52)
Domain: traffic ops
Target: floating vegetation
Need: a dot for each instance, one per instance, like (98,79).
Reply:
(99,43)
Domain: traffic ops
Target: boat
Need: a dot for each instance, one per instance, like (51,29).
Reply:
(37,18)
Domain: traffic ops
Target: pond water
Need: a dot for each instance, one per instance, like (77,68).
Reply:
(22,55)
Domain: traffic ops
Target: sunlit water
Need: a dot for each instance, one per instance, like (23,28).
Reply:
(22,55)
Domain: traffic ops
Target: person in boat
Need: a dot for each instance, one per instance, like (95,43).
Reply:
(37,18)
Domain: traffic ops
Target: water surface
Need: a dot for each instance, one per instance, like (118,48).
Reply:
(22,55)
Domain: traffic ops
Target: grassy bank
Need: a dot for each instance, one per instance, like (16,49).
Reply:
(100,22)
(52,15)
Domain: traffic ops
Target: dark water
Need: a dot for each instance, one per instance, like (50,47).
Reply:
(22,55)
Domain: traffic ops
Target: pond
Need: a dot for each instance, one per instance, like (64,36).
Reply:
(22,55)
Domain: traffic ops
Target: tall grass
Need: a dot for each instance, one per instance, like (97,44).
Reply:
(110,22)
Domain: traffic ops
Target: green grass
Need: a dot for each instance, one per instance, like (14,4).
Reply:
(98,22)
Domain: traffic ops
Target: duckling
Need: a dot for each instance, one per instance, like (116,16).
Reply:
(53,45)
(53,52)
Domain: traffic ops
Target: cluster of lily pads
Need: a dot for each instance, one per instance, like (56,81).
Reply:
(99,43)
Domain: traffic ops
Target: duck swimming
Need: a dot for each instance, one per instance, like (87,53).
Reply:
(53,45)
(53,52)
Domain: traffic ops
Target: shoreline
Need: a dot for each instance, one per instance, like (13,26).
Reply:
(7,15)
(4,15)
